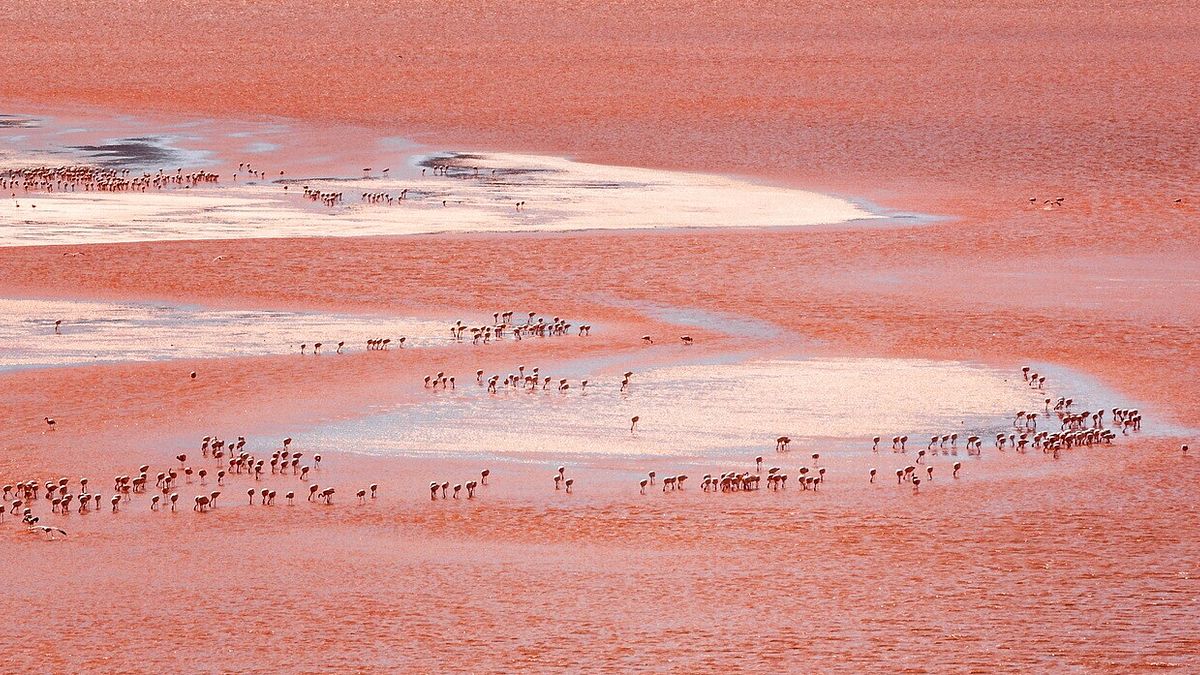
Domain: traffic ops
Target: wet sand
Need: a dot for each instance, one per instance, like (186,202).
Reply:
(1088,563)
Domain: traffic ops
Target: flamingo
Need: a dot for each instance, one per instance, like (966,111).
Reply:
(48,530)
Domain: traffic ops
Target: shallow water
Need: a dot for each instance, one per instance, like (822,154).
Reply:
(100,332)
(480,193)
(732,409)
(1068,574)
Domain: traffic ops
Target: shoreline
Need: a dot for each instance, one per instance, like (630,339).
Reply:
(1046,138)
(414,148)
(558,194)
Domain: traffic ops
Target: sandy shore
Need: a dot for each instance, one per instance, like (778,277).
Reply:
(1087,563)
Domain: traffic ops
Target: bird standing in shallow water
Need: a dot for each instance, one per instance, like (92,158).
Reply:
(48,530)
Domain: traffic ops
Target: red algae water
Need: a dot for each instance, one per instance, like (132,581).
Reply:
(983,115)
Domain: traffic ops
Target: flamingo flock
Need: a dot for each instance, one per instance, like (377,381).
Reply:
(518,381)
(227,461)
(741,480)
(376,197)
(329,199)
(1083,429)
(501,327)
(83,178)
(471,486)
(223,462)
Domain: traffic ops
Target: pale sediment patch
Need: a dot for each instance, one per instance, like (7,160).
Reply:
(492,193)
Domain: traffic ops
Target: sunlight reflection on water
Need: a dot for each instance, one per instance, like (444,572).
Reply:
(97,332)
(705,409)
